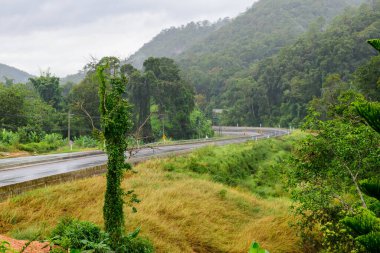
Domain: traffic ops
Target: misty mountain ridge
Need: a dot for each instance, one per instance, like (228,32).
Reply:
(17,75)
(176,40)
(256,33)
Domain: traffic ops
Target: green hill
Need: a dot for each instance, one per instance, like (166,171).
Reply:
(260,32)
(277,89)
(175,40)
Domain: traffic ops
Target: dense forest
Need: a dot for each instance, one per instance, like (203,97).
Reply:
(36,116)
(278,89)
(174,41)
(222,66)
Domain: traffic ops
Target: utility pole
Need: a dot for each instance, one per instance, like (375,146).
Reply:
(68,127)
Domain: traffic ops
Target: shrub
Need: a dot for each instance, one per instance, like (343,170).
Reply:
(30,134)
(5,247)
(255,248)
(136,245)
(85,142)
(81,235)
(50,142)
(9,138)
(41,147)
(53,139)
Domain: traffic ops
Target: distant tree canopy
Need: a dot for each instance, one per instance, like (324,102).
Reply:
(277,89)
(21,107)
(266,65)
(159,85)
(48,88)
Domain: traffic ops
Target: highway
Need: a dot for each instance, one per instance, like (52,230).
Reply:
(17,170)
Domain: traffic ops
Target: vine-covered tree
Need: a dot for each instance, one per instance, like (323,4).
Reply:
(116,123)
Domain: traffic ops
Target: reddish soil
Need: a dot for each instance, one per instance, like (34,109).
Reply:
(34,247)
(13,154)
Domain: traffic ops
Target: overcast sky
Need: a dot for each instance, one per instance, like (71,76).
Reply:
(63,35)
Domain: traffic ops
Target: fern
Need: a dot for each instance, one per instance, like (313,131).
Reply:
(375,43)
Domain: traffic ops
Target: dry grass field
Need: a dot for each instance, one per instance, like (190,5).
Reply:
(179,212)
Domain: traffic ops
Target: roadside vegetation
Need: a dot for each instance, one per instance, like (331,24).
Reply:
(181,209)
(34,143)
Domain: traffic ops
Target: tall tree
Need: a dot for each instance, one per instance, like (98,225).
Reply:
(139,90)
(116,123)
(173,95)
(48,88)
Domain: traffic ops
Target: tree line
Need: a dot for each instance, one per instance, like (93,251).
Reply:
(162,102)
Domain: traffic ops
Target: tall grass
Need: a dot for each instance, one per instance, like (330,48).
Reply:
(254,166)
(182,210)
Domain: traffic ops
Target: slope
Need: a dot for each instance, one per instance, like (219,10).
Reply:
(8,72)
(175,40)
(277,89)
(260,32)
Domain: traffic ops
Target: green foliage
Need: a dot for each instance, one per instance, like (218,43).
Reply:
(255,166)
(255,248)
(5,247)
(273,85)
(48,88)
(116,124)
(22,109)
(173,41)
(139,90)
(202,125)
(371,113)
(80,235)
(367,78)
(136,245)
(371,241)
(48,143)
(85,142)
(84,103)
(173,95)
(375,43)
(326,170)
(9,138)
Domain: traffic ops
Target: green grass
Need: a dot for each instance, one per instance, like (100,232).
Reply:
(188,203)
(254,166)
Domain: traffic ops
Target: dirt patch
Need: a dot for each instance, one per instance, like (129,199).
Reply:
(13,154)
(34,247)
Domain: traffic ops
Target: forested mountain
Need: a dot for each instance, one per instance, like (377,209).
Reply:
(175,40)
(10,73)
(216,54)
(278,89)
(256,34)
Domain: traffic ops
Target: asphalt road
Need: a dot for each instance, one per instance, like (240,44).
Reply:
(17,170)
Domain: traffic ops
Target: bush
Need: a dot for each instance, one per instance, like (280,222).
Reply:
(136,245)
(53,139)
(81,235)
(9,138)
(40,147)
(30,134)
(85,142)
(50,142)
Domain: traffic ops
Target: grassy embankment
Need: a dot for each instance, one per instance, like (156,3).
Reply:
(213,200)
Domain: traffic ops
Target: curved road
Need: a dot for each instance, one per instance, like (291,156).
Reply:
(17,170)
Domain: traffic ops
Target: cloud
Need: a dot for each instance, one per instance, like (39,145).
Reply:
(64,34)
